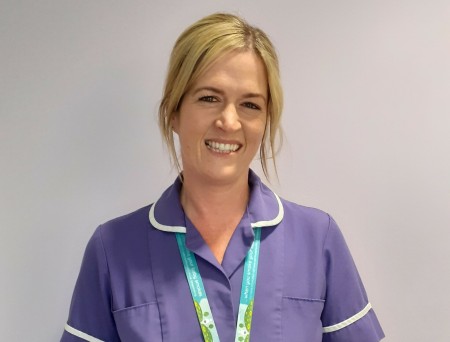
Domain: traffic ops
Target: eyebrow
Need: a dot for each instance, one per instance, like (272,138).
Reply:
(221,92)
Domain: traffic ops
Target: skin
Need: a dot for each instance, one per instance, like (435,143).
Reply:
(228,105)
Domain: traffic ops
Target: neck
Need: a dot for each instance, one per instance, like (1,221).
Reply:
(200,199)
(215,210)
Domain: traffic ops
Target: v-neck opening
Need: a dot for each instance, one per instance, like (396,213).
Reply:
(235,252)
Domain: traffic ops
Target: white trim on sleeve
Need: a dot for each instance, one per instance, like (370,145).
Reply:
(348,321)
(80,334)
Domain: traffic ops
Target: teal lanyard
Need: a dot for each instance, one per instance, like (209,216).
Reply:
(200,299)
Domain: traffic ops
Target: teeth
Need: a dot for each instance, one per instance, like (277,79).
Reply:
(222,148)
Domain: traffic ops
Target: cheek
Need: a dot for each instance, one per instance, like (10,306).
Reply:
(255,136)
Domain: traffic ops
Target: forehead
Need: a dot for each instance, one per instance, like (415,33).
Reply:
(242,68)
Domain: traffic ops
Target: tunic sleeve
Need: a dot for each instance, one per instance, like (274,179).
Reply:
(90,317)
(347,315)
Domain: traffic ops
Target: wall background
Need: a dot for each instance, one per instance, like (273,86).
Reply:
(367,121)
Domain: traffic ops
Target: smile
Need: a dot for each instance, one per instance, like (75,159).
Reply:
(220,147)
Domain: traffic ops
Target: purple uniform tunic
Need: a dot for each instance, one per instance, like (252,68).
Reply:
(132,286)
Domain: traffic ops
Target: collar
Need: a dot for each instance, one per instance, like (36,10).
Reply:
(264,208)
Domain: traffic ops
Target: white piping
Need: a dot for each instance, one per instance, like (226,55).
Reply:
(349,321)
(163,227)
(81,334)
(276,220)
(181,229)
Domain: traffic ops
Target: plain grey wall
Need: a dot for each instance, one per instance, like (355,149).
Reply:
(366,120)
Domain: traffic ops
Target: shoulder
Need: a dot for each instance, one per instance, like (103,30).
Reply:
(305,220)
(126,235)
(134,223)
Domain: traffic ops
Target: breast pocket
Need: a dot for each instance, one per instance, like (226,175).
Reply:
(139,323)
(301,319)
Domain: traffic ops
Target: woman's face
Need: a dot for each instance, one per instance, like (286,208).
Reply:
(221,120)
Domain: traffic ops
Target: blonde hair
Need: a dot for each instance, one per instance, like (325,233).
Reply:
(196,49)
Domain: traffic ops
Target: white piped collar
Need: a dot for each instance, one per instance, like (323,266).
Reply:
(265,208)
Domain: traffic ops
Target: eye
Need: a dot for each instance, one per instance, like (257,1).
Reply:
(208,98)
(251,105)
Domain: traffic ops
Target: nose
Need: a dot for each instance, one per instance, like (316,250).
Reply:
(229,119)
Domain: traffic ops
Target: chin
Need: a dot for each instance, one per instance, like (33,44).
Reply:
(225,174)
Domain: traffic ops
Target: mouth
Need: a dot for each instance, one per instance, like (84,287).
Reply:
(222,147)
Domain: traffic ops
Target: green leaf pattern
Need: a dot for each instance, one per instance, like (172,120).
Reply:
(245,322)
(199,311)
(206,333)
(248,316)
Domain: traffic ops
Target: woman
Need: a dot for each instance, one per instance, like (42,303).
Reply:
(219,255)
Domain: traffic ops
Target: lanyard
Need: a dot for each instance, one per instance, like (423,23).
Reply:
(201,303)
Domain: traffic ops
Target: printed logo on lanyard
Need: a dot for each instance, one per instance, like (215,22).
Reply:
(201,303)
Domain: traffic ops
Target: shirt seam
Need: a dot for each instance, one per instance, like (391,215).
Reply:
(299,299)
(325,240)
(100,228)
(134,307)
(326,235)
(153,281)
